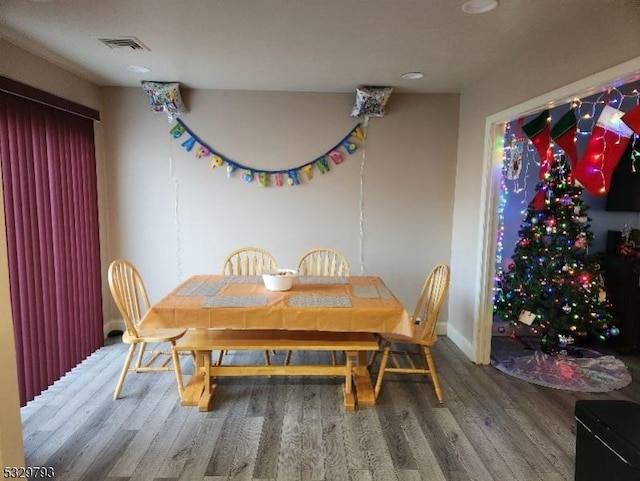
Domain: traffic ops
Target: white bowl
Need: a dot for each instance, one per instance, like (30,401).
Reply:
(279,280)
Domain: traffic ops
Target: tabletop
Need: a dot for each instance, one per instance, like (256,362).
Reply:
(339,304)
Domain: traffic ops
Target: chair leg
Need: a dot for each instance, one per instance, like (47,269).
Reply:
(383,366)
(267,360)
(373,359)
(177,369)
(143,346)
(220,356)
(434,375)
(125,369)
(287,358)
(333,358)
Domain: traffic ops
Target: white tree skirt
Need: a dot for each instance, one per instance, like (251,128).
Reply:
(586,374)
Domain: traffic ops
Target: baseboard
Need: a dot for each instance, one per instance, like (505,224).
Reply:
(441,328)
(459,340)
(112,325)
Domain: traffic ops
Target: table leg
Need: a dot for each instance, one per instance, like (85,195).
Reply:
(349,395)
(364,389)
(196,385)
(207,396)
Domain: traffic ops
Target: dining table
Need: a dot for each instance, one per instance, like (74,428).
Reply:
(314,303)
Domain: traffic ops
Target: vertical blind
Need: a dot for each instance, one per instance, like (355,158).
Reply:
(47,157)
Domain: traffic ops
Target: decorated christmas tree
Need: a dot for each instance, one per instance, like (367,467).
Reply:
(552,284)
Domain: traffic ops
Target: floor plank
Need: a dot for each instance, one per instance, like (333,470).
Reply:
(491,426)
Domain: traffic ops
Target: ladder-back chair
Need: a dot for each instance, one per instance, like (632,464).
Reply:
(248,261)
(425,316)
(130,296)
(323,262)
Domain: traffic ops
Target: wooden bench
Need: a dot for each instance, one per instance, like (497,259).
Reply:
(199,391)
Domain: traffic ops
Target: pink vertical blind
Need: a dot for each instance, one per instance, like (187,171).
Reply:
(47,158)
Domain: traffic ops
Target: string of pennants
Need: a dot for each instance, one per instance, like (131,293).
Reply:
(265,178)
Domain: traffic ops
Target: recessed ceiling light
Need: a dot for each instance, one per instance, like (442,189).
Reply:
(412,75)
(479,6)
(138,69)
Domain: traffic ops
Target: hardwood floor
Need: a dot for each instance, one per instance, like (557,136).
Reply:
(491,426)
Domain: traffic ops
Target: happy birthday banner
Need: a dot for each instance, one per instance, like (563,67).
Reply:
(335,155)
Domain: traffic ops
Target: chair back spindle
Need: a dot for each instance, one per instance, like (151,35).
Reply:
(248,261)
(323,262)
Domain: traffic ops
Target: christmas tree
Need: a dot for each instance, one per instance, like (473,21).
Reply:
(552,283)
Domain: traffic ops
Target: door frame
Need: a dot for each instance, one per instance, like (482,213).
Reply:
(494,131)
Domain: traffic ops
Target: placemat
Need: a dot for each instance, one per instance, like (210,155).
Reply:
(322,280)
(372,292)
(242,280)
(319,301)
(235,301)
(200,289)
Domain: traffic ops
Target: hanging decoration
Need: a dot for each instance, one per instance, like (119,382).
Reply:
(539,133)
(632,119)
(609,139)
(165,97)
(265,178)
(371,102)
(563,134)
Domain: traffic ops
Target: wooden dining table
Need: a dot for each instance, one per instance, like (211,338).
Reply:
(314,303)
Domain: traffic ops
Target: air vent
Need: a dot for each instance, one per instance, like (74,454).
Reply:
(123,42)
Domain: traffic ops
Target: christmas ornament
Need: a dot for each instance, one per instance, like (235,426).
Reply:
(537,130)
(566,308)
(514,164)
(614,331)
(607,143)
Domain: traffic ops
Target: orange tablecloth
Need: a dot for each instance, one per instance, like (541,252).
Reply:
(370,306)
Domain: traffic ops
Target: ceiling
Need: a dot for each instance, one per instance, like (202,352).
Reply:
(311,45)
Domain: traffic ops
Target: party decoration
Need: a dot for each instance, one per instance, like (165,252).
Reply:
(336,154)
(608,141)
(263,179)
(201,152)
(189,143)
(247,176)
(537,130)
(323,165)
(371,101)
(177,131)
(308,171)
(165,97)
(293,177)
(216,161)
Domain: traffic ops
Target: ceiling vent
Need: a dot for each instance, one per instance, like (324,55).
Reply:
(123,42)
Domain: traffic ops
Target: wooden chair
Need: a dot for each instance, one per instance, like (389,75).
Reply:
(248,261)
(323,262)
(425,316)
(130,295)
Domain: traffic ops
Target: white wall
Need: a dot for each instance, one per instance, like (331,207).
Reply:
(408,184)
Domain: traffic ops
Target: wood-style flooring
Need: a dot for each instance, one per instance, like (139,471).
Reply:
(491,426)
